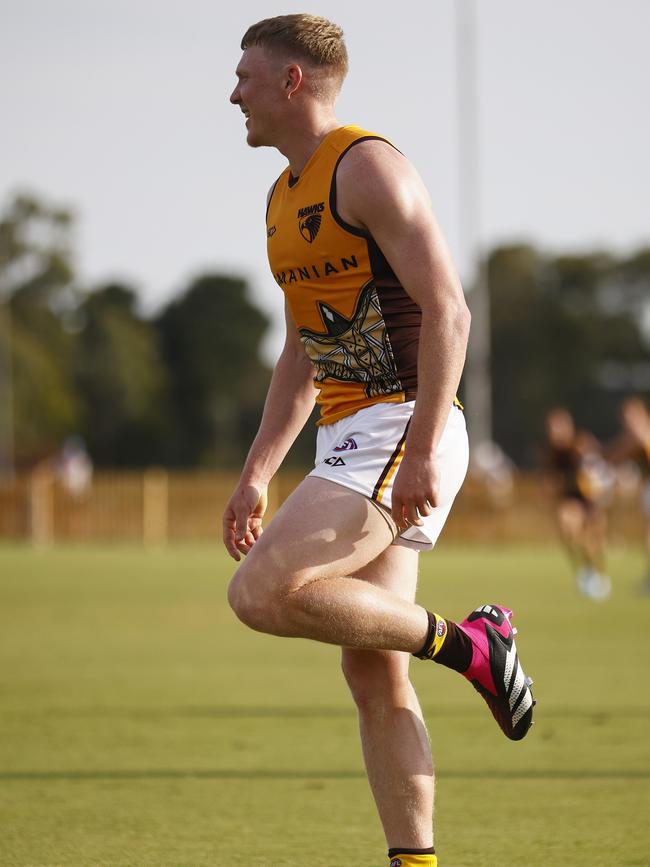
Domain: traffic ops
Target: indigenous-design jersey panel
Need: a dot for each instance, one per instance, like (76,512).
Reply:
(357,324)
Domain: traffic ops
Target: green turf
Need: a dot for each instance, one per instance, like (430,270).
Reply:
(142,725)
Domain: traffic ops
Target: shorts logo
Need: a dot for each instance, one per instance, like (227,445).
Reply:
(335,462)
(396,862)
(270,232)
(441,628)
(309,220)
(346,446)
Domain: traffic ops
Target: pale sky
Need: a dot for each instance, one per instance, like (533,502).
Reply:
(119,109)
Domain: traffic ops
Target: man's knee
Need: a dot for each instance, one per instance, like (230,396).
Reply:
(376,678)
(263,599)
(250,602)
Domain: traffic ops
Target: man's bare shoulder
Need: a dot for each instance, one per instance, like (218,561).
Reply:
(373,175)
(372,158)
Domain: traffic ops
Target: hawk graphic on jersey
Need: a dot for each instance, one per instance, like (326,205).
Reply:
(355,349)
(309,227)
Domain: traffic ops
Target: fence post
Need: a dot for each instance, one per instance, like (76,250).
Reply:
(41,506)
(155,507)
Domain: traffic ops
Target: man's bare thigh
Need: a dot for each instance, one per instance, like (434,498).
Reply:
(322,530)
(395,569)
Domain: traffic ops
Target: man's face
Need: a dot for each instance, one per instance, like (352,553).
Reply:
(560,428)
(260,94)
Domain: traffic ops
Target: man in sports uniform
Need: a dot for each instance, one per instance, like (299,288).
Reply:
(633,444)
(576,474)
(375,317)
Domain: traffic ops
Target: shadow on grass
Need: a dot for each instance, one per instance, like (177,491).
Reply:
(243,712)
(284,774)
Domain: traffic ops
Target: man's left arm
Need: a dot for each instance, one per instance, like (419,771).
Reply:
(380,191)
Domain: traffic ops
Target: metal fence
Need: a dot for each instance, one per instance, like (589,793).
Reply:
(159,506)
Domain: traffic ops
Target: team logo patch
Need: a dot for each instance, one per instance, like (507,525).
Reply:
(270,232)
(441,628)
(346,446)
(309,220)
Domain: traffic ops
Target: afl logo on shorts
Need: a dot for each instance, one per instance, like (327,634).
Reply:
(309,220)
(396,862)
(346,446)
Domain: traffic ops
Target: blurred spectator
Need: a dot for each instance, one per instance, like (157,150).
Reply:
(494,469)
(633,444)
(580,481)
(74,467)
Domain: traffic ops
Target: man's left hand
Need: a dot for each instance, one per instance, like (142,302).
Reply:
(415,491)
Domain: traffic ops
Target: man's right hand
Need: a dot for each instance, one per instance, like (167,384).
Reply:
(242,519)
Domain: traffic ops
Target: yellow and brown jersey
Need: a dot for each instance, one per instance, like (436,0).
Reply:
(357,324)
(566,464)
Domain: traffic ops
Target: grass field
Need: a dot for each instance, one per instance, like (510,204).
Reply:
(142,725)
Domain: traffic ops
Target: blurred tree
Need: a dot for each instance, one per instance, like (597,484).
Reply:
(35,251)
(629,286)
(559,328)
(45,407)
(211,339)
(37,292)
(121,379)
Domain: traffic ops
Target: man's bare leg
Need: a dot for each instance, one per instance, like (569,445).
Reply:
(295,582)
(394,738)
(296,579)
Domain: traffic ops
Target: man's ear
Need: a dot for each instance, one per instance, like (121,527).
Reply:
(293,79)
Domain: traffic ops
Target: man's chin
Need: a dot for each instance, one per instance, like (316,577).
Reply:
(257,139)
(254,141)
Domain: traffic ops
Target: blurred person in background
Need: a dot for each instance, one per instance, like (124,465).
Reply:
(492,467)
(74,470)
(74,467)
(578,479)
(633,444)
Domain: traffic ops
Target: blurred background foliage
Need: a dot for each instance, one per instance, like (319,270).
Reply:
(566,330)
(185,387)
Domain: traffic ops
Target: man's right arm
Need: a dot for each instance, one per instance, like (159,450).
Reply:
(289,402)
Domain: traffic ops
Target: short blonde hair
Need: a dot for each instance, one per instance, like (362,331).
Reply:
(310,37)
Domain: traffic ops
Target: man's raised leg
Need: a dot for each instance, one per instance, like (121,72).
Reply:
(296,579)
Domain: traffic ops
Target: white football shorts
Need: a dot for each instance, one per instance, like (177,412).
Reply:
(363,452)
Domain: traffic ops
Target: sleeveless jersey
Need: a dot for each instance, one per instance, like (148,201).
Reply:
(358,325)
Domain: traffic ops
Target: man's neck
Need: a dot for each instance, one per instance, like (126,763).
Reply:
(301,143)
